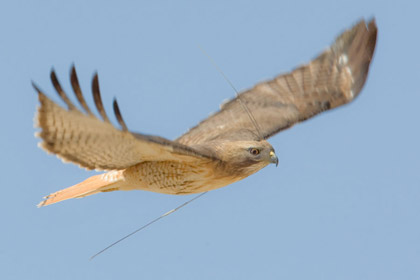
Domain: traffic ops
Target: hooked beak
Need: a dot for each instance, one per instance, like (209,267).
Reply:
(274,158)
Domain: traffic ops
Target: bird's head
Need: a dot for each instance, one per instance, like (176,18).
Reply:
(247,156)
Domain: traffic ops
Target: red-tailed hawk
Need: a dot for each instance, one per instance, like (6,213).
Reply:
(226,147)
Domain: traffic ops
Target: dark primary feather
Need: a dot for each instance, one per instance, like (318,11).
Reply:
(60,90)
(97,98)
(332,79)
(77,91)
(118,115)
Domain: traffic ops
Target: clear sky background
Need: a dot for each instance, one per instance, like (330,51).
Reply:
(344,202)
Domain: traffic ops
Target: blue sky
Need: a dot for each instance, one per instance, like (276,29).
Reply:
(342,204)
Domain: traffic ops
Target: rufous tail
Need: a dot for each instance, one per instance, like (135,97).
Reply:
(99,183)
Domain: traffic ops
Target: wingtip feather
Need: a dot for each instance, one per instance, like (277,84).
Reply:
(97,98)
(118,115)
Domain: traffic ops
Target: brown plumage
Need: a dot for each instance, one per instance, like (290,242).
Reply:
(226,147)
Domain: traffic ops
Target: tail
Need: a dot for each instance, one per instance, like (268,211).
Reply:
(107,182)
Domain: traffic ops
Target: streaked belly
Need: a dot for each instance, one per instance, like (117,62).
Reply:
(172,177)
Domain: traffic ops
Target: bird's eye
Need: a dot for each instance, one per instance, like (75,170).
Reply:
(254,151)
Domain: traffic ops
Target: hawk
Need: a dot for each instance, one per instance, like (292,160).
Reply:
(227,147)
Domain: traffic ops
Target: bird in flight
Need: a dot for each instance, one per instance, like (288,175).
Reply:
(227,147)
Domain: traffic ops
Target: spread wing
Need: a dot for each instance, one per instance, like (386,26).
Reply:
(332,79)
(92,143)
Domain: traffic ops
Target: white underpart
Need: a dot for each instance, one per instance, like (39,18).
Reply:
(343,59)
(349,72)
(350,75)
(111,176)
(343,62)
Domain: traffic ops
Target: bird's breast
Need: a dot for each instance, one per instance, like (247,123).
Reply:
(172,177)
